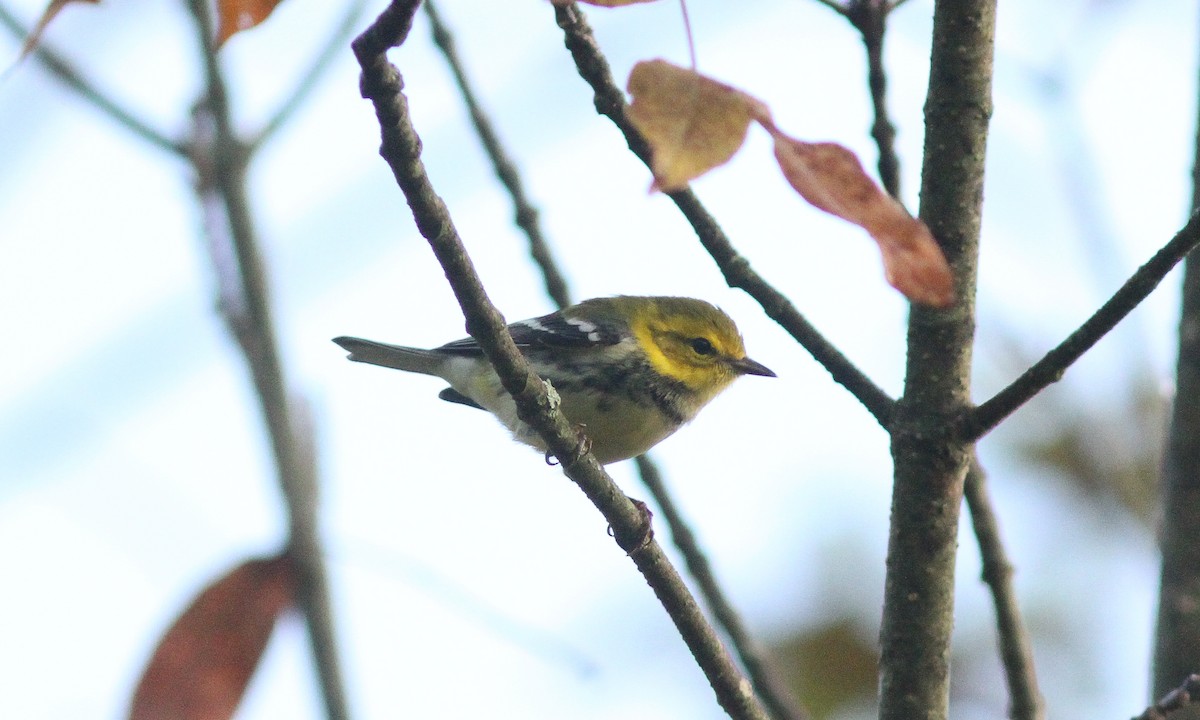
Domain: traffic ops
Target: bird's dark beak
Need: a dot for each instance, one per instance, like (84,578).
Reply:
(746,366)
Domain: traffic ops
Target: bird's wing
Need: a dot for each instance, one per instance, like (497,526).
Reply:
(554,330)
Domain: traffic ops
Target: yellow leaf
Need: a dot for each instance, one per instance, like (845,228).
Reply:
(693,123)
(831,178)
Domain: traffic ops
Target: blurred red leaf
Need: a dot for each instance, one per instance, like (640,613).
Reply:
(234,16)
(35,35)
(831,178)
(205,660)
(693,123)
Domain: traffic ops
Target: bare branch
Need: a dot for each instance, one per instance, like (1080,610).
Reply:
(1181,697)
(767,683)
(1016,652)
(774,693)
(220,157)
(62,69)
(869,17)
(1051,367)
(1177,636)
(334,45)
(526,214)
(382,84)
(835,6)
(930,461)
(610,102)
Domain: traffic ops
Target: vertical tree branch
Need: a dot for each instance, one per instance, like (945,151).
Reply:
(220,158)
(1177,638)
(1016,653)
(930,459)
(382,84)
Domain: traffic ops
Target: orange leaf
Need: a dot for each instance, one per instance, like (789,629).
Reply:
(830,177)
(693,123)
(204,661)
(234,16)
(35,35)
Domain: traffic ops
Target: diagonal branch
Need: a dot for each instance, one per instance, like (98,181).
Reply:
(610,102)
(1016,653)
(62,69)
(774,693)
(1185,696)
(321,62)
(1050,368)
(382,84)
(526,215)
(767,683)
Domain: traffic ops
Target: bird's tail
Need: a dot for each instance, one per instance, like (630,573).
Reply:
(426,362)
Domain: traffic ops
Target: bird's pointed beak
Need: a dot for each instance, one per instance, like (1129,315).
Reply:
(746,366)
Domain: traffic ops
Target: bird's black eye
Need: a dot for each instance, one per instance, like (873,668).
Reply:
(702,346)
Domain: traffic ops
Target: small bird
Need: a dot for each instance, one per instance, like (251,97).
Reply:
(629,370)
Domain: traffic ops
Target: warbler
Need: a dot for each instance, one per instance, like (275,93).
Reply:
(629,370)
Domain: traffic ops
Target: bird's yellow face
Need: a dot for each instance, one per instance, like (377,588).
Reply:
(695,344)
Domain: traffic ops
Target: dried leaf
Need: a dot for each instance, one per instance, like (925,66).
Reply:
(830,177)
(204,661)
(234,16)
(35,35)
(693,123)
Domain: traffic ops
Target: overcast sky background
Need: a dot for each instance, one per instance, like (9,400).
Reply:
(470,578)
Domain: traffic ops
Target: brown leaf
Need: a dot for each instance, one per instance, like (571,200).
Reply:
(831,178)
(35,35)
(204,661)
(234,16)
(693,123)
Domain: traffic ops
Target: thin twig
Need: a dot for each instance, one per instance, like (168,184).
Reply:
(774,693)
(835,6)
(767,683)
(869,17)
(1051,367)
(62,69)
(1181,697)
(220,160)
(687,30)
(526,215)
(335,44)
(610,102)
(382,84)
(1016,652)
